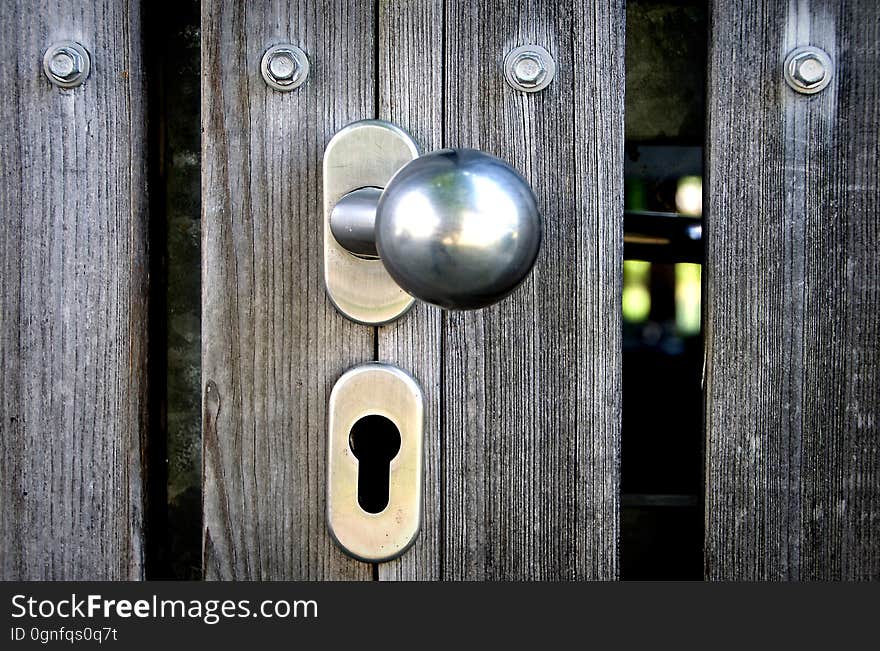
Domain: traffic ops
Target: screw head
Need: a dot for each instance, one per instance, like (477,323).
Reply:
(66,64)
(284,67)
(808,70)
(529,68)
(63,64)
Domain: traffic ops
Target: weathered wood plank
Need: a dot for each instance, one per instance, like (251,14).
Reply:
(410,59)
(273,345)
(73,296)
(793,297)
(531,405)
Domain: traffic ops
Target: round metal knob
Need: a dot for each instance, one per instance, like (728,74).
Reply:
(458,228)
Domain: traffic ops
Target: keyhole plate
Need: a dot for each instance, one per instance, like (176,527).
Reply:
(375,389)
(363,154)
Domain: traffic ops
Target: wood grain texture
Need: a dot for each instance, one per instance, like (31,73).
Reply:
(73,296)
(793,297)
(272,344)
(410,74)
(531,404)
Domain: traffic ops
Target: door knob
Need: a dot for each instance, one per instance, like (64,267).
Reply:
(457,228)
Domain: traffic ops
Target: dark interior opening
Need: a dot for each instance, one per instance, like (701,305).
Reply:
(174,524)
(662,437)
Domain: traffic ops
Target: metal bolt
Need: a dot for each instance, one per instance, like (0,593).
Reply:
(66,64)
(63,64)
(808,69)
(529,68)
(284,67)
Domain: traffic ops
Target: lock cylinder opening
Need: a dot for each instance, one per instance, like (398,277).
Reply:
(375,441)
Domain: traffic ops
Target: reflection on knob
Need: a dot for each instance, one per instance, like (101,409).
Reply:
(458,228)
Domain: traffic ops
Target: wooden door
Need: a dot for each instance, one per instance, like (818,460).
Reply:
(73,296)
(523,398)
(792,297)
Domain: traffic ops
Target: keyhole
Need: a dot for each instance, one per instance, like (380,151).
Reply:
(375,441)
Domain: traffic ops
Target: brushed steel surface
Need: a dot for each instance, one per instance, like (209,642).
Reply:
(363,154)
(384,390)
(353,221)
(458,228)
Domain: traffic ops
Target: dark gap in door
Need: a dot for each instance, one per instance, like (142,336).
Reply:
(662,436)
(156,487)
(174,515)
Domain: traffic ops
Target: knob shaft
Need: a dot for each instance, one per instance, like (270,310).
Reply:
(458,228)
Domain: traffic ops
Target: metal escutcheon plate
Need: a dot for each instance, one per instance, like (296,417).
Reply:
(384,390)
(363,154)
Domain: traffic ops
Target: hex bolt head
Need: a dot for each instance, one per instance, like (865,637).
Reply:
(529,68)
(808,70)
(66,64)
(284,67)
(63,64)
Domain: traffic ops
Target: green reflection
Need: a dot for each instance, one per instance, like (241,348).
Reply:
(636,292)
(687,298)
